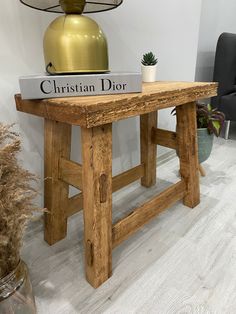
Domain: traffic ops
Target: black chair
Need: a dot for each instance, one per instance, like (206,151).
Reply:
(225,75)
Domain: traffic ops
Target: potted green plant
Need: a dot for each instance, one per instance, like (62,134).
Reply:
(209,123)
(16,196)
(149,67)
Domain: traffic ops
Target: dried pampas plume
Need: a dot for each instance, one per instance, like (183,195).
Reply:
(16,200)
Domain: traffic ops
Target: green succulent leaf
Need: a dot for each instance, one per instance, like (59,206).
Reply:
(149,59)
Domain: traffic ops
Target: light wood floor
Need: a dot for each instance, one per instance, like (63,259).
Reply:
(184,261)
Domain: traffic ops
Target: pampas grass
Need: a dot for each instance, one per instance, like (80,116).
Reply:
(16,200)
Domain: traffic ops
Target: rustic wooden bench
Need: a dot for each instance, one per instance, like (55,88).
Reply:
(95,114)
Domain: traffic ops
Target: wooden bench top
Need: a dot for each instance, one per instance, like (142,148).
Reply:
(90,111)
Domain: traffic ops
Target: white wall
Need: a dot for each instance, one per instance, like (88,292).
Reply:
(217,16)
(169,28)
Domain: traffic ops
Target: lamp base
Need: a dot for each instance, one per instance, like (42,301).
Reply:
(74,43)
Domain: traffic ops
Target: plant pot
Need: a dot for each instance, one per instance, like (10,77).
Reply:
(16,295)
(205,143)
(149,73)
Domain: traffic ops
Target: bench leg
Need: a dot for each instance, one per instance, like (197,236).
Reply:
(97,191)
(57,143)
(148,121)
(227,126)
(188,152)
(202,170)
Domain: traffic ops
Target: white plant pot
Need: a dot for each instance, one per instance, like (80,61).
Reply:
(149,73)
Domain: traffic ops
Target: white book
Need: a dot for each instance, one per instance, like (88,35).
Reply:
(51,86)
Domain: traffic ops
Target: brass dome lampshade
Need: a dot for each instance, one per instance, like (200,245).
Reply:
(74,43)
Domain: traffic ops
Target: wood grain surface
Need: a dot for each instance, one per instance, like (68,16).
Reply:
(97,207)
(164,138)
(146,212)
(91,111)
(57,139)
(188,151)
(71,173)
(148,150)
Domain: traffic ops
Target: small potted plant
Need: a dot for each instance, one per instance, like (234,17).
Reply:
(149,67)
(16,196)
(209,123)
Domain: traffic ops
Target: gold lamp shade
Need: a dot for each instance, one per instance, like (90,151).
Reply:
(74,43)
